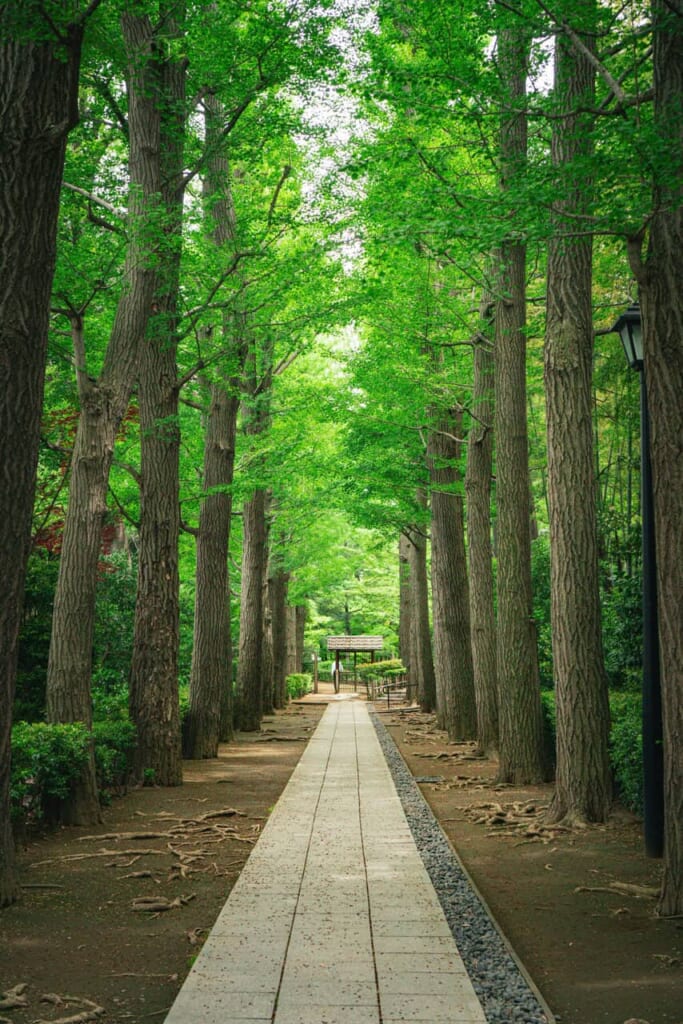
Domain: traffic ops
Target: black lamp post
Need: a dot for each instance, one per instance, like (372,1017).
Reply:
(629,328)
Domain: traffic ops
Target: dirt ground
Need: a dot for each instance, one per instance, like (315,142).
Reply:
(90,925)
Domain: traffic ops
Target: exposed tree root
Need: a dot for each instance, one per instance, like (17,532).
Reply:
(159,904)
(90,1012)
(14,998)
(639,892)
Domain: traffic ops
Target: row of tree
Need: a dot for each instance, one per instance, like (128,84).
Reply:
(484,188)
(208,233)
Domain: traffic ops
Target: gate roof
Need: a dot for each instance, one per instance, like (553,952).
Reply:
(355,643)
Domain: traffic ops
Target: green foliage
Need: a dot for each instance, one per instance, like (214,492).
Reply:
(298,685)
(34,636)
(540,578)
(114,620)
(389,669)
(114,746)
(46,761)
(626,748)
(549,726)
(622,631)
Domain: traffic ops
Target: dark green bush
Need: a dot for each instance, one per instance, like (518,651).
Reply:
(540,577)
(46,760)
(298,684)
(626,748)
(34,636)
(114,746)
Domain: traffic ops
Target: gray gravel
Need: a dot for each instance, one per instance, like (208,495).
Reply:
(501,987)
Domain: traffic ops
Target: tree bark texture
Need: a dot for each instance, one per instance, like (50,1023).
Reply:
(405,613)
(478,479)
(521,745)
(456,709)
(249,666)
(300,615)
(583,790)
(277,594)
(421,643)
(38,107)
(291,668)
(211,672)
(661,293)
(103,403)
(154,668)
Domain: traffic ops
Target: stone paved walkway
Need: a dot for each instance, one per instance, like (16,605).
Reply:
(333,919)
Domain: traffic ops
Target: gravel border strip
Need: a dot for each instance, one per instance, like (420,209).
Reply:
(506,992)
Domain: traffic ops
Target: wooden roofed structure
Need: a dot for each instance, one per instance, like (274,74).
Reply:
(352,645)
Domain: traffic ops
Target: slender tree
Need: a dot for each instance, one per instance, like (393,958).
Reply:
(405,612)
(154,705)
(421,643)
(256,413)
(456,710)
(211,673)
(583,788)
(103,403)
(478,480)
(521,746)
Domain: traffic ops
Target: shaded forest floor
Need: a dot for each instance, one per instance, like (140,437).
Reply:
(576,906)
(112,925)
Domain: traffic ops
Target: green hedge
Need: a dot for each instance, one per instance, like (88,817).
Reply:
(46,760)
(298,685)
(382,669)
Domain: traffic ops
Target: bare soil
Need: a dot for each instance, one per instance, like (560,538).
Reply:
(576,906)
(84,929)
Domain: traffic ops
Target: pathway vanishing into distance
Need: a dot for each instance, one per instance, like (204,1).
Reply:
(333,919)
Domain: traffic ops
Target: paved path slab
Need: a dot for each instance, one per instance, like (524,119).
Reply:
(333,919)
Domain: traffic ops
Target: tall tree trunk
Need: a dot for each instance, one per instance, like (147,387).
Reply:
(210,714)
(300,614)
(211,672)
(521,744)
(583,778)
(291,640)
(478,489)
(103,403)
(256,413)
(421,639)
(38,107)
(250,662)
(405,613)
(154,703)
(661,292)
(456,710)
(277,592)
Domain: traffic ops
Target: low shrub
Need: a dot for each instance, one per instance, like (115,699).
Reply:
(382,669)
(298,684)
(114,746)
(46,761)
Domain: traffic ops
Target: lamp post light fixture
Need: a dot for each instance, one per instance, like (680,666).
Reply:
(629,328)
